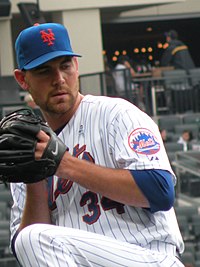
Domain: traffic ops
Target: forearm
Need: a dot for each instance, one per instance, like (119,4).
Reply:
(116,184)
(36,206)
(128,65)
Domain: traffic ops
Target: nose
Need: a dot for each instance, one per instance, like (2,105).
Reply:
(58,78)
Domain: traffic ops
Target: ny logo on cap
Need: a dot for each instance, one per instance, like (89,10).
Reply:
(47,37)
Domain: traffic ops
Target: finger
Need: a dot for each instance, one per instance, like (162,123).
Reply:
(42,136)
(43,139)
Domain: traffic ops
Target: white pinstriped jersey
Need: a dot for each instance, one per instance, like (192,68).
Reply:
(110,132)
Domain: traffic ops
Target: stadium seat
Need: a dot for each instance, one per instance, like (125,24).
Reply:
(197,255)
(187,211)
(4,240)
(172,148)
(194,76)
(3,209)
(175,79)
(4,224)
(168,122)
(5,196)
(8,88)
(196,226)
(9,262)
(188,258)
(184,227)
(179,90)
(191,118)
(190,247)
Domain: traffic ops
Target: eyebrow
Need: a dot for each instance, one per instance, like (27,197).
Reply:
(45,65)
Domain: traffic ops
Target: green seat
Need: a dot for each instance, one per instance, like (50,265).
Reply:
(9,262)
(3,210)
(169,122)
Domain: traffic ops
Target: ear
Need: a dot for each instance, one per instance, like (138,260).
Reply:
(76,64)
(20,78)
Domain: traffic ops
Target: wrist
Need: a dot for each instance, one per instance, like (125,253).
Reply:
(62,170)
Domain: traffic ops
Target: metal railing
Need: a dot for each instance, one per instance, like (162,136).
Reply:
(155,95)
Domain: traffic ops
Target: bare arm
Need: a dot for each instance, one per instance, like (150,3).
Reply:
(36,207)
(116,184)
(128,65)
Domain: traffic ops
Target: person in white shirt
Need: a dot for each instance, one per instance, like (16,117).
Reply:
(185,138)
(123,74)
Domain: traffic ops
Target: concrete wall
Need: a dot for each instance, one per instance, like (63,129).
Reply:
(188,7)
(62,5)
(6,51)
(86,39)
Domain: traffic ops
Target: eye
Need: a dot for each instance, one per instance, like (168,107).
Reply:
(66,65)
(43,71)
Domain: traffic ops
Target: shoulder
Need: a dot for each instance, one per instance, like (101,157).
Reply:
(107,102)
(113,107)
(175,43)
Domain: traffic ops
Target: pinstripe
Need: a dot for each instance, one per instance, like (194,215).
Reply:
(55,253)
(33,250)
(103,125)
(42,251)
(25,251)
(96,250)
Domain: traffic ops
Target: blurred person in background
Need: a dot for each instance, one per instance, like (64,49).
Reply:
(177,53)
(185,138)
(29,102)
(165,135)
(123,73)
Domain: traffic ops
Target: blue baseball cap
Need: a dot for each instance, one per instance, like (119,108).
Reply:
(41,43)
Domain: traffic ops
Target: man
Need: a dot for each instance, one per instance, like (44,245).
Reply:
(177,53)
(110,202)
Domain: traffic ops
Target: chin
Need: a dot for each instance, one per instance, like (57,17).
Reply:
(57,109)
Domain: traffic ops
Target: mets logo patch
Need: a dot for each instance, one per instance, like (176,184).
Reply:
(143,141)
(48,37)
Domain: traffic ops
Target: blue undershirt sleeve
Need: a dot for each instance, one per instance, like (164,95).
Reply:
(157,186)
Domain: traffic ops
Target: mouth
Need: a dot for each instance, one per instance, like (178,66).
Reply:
(60,93)
(59,97)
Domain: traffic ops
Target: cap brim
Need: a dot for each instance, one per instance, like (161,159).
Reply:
(44,58)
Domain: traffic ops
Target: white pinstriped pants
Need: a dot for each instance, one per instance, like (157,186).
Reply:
(43,245)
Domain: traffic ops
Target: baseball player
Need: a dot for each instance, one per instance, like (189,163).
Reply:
(110,201)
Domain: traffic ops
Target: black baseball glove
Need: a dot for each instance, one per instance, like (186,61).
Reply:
(18,139)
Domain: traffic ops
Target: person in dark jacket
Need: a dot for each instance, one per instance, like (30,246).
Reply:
(177,53)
